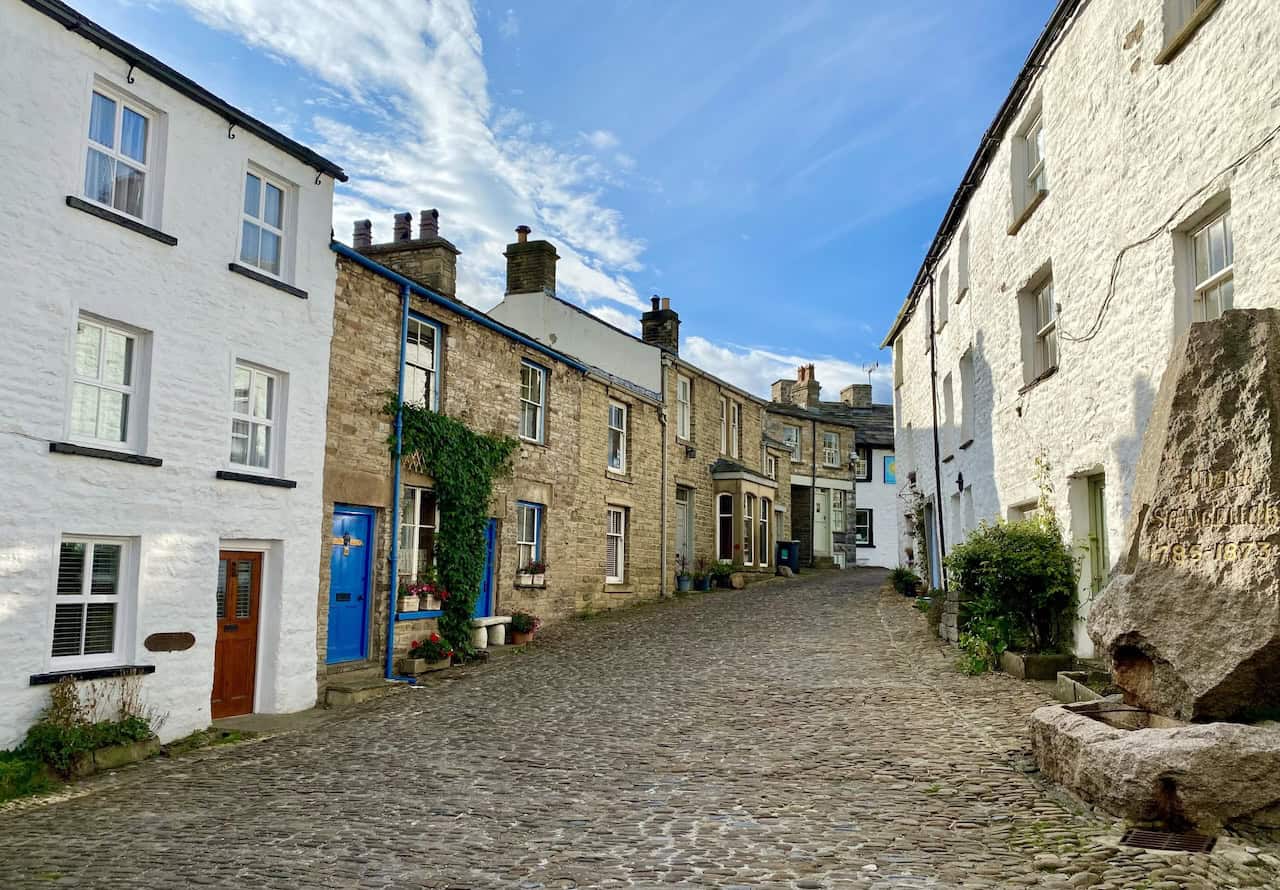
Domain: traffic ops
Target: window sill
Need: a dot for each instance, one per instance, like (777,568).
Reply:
(615,476)
(1037,381)
(537,443)
(621,589)
(964,292)
(414,616)
(965,444)
(121,220)
(254,479)
(1025,215)
(861,479)
(1183,37)
(949,458)
(104,454)
(267,280)
(522,585)
(92,673)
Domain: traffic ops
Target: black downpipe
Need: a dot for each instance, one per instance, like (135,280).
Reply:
(937,446)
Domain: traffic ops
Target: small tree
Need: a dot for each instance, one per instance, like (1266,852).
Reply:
(1017,583)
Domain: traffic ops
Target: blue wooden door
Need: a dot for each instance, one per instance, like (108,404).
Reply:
(484,602)
(350,564)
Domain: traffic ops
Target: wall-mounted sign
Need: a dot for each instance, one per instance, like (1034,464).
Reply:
(890,470)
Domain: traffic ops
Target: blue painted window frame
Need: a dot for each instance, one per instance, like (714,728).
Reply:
(539,513)
(438,356)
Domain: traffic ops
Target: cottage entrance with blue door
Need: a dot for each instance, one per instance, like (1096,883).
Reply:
(350,577)
(484,600)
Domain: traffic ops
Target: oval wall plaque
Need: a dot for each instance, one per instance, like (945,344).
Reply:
(179,641)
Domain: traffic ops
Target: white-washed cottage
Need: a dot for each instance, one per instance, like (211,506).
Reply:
(1128,187)
(168,282)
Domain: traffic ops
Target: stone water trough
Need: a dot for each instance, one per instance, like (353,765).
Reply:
(1190,621)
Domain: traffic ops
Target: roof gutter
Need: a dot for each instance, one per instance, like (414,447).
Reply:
(104,39)
(990,144)
(465,311)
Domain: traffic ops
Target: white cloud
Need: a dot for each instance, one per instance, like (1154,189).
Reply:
(509,26)
(755,369)
(601,140)
(417,70)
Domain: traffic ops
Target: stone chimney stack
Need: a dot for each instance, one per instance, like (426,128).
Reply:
(429,260)
(780,392)
(807,390)
(660,326)
(531,265)
(857,395)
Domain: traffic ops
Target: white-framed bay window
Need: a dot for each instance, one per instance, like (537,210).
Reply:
(264,223)
(748,529)
(724,527)
(107,385)
(419,521)
(617,437)
(119,152)
(533,401)
(528,534)
(96,582)
(256,419)
(422,363)
(765,543)
(684,407)
(615,545)
(1213,265)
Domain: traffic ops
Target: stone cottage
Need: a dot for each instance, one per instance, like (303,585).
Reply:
(583,494)
(1100,216)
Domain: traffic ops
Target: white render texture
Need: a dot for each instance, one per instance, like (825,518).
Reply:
(882,500)
(57,261)
(1127,142)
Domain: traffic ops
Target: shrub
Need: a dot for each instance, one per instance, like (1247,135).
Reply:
(525,622)
(21,774)
(1017,585)
(70,726)
(904,581)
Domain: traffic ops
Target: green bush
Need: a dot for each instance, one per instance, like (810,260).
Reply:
(1017,586)
(60,746)
(904,581)
(20,775)
(69,727)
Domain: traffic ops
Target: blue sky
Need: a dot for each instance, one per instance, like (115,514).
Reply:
(777,175)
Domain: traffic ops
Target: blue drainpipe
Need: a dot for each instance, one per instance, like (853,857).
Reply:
(395,493)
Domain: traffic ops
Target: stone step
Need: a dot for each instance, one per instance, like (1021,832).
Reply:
(353,690)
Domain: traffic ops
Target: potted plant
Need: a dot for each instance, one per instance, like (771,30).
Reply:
(701,575)
(431,654)
(721,572)
(523,625)
(684,580)
(410,601)
(538,569)
(905,581)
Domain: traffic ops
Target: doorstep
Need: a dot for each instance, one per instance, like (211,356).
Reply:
(357,690)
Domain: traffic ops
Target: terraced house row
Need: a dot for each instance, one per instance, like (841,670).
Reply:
(199,481)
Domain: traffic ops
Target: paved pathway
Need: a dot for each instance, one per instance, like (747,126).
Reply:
(790,736)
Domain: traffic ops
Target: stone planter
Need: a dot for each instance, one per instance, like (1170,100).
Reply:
(409,603)
(1025,666)
(114,756)
(520,638)
(414,666)
(524,580)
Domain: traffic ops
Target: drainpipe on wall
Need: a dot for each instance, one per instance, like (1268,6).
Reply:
(662,520)
(937,446)
(394,557)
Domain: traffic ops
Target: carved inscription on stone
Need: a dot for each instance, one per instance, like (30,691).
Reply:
(1195,528)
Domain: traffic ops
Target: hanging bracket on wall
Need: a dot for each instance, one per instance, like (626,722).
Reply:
(129,77)
(960,481)
(231,135)
(319,173)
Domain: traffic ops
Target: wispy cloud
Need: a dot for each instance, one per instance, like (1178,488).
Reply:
(417,70)
(755,368)
(509,25)
(601,140)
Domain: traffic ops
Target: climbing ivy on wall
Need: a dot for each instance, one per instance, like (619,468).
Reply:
(464,465)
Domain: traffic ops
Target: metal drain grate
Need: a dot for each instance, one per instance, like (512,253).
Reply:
(1168,840)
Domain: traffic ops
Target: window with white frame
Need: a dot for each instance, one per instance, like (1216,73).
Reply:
(1046,345)
(748,529)
(791,436)
(771,466)
(615,550)
(1180,16)
(533,401)
(927,326)
(735,429)
(830,449)
(966,397)
(105,398)
(254,437)
(948,416)
(724,527)
(962,265)
(862,528)
(119,150)
(1030,175)
(617,437)
(862,463)
(1037,178)
(419,521)
(765,544)
(90,600)
(838,500)
(1213,254)
(684,407)
(944,299)
(262,223)
(528,535)
(724,425)
(421,364)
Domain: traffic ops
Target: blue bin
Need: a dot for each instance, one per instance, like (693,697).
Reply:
(788,555)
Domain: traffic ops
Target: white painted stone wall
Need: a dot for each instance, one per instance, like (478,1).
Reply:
(882,499)
(583,336)
(1127,142)
(56,261)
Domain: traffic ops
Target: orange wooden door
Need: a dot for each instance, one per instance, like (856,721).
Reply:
(235,655)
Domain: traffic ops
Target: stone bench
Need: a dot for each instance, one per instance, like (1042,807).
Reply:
(492,631)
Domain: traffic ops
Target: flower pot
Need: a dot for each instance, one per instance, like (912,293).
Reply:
(440,665)
(524,580)
(411,666)
(520,638)
(539,580)
(410,603)
(702,583)
(683,583)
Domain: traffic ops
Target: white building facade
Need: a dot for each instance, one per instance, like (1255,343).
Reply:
(169,288)
(1128,187)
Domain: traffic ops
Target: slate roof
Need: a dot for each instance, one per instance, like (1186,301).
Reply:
(872,425)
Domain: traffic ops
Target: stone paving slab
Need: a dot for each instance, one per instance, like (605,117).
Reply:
(800,735)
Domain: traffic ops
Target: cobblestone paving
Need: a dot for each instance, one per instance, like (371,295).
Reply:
(798,735)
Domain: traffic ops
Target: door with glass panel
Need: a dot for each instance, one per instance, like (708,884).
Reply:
(235,654)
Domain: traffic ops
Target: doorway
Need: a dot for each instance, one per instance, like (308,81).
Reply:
(684,529)
(350,574)
(822,522)
(235,652)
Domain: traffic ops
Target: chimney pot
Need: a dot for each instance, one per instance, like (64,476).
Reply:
(403,226)
(429,224)
(653,302)
(522,234)
(362,234)
(666,302)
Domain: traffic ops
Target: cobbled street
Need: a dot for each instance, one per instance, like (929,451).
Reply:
(801,734)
